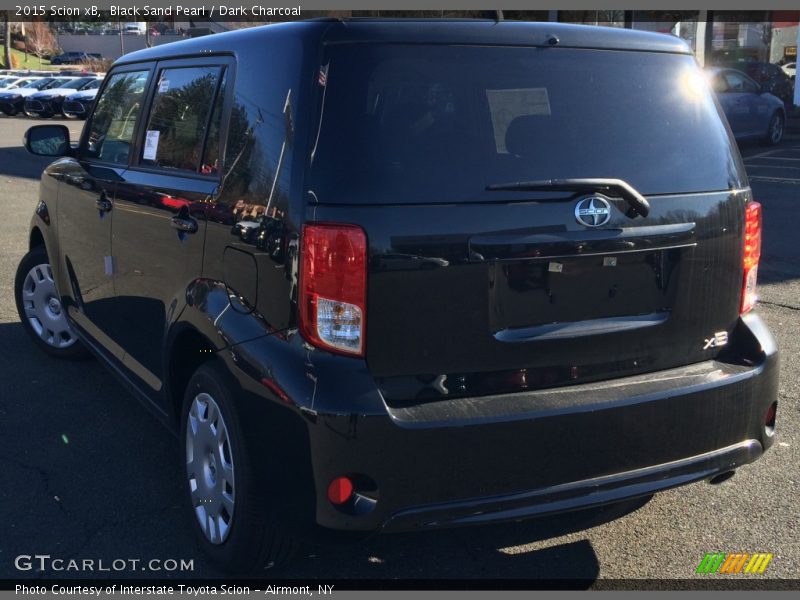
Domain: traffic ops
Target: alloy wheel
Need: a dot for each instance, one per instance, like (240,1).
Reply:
(776,129)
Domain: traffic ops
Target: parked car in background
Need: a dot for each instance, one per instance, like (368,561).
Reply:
(47,103)
(752,111)
(75,58)
(790,69)
(134,28)
(29,73)
(13,101)
(77,73)
(10,83)
(247,228)
(771,78)
(79,104)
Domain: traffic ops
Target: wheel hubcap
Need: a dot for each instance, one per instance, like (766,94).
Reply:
(42,306)
(777,129)
(209,468)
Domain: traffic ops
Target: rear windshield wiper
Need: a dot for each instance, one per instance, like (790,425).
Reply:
(638,203)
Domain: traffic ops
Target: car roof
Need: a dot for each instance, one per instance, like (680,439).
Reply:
(432,31)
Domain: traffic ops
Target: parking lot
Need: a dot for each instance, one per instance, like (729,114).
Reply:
(87,473)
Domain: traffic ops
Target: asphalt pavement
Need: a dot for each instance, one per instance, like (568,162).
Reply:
(87,473)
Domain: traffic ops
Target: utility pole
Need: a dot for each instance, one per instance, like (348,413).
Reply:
(7,41)
(797,87)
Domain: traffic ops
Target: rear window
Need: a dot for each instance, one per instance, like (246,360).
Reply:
(409,124)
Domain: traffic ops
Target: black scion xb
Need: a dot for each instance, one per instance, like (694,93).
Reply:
(509,270)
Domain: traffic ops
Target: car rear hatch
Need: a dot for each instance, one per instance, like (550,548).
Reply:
(535,217)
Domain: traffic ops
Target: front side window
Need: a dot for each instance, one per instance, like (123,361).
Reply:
(739,83)
(179,118)
(114,122)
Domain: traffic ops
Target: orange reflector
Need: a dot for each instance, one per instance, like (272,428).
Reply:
(340,490)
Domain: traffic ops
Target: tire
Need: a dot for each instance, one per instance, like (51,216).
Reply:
(39,308)
(775,129)
(221,487)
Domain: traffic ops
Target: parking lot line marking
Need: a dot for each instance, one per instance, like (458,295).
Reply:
(775,179)
(766,153)
(780,158)
(773,167)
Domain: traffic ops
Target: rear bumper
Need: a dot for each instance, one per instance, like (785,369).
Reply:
(577,495)
(478,460)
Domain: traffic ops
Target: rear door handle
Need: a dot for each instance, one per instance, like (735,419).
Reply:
(184,224)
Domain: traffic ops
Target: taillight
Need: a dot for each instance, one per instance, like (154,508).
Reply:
(333,287)
(752,254)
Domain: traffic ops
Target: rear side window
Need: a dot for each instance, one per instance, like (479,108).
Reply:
(114,122)
(180,118)
(411,124)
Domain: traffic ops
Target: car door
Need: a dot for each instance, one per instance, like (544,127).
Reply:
(746,99)
(755,98)
(762,107)
(160,207)
(86,209)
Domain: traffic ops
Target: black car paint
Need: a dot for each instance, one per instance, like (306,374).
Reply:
(53,106)
(516,435)
(79,106)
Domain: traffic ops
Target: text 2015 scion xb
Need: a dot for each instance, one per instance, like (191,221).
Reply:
(386,276)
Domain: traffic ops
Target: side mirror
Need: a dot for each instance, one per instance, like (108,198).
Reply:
(47,140)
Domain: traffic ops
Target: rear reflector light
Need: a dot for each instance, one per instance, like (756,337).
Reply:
(752,254)
(340,490)
(769,420)
(333,287)
(276,389)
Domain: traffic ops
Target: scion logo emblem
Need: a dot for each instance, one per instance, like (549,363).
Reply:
(593,211)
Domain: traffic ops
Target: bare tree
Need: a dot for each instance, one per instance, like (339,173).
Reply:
(7,41)
(40,39)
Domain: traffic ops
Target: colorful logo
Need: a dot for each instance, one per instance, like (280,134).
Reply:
(742,562)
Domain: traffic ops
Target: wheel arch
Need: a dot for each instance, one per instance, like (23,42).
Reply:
(187,350)
(36,238)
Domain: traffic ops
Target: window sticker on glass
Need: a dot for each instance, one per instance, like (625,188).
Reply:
(507,105)
(151,145)
(163,87)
